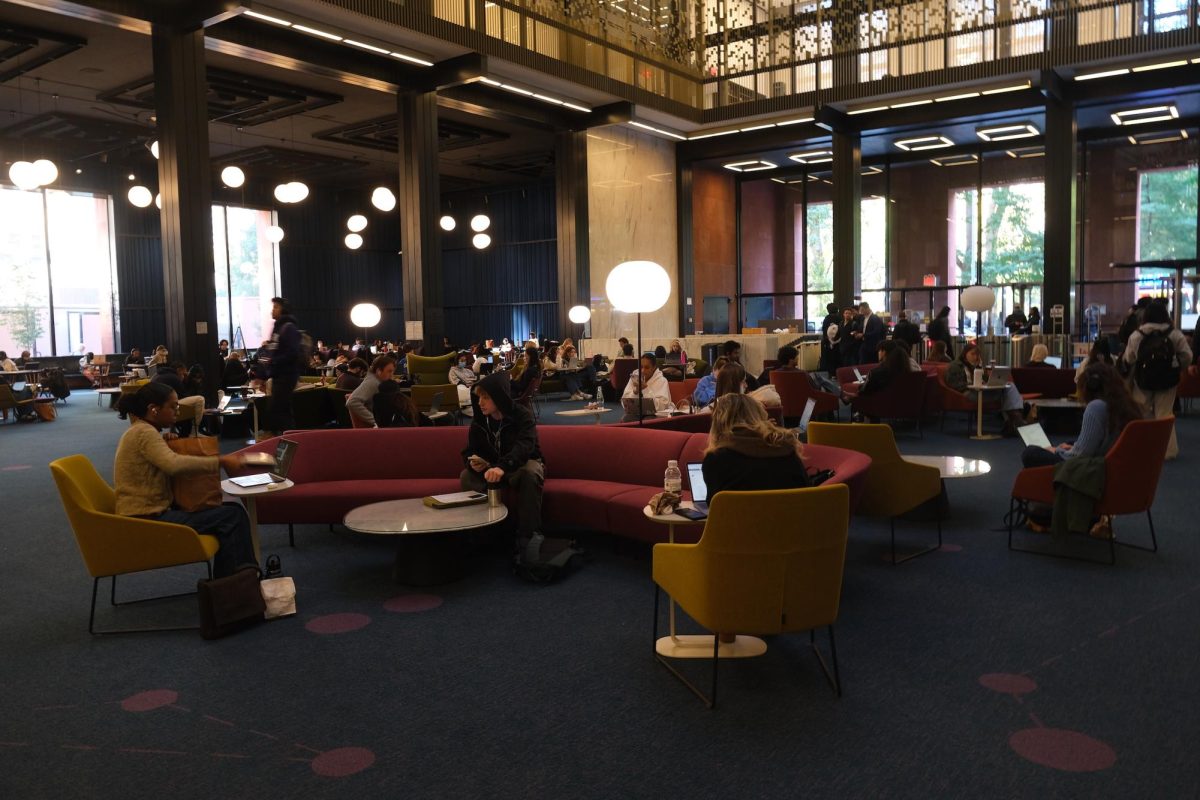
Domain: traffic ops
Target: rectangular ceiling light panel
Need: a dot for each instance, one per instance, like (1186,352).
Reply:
(1003,133)
(923,143)
(1140,116)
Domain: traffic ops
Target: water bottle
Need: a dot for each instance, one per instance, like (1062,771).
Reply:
(672,479)
(599,396)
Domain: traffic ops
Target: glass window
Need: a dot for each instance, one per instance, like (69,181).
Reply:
(819,249)
(247,274)
(64,236)
(873,255)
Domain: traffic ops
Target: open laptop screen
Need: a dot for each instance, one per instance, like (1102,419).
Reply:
(696,479)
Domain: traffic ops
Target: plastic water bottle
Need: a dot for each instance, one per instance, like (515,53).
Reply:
(672,478)
(599,396)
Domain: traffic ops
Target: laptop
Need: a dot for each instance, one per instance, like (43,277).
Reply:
(99,359)
(699,509)
(858,376)
(1054,361)
(648,409)
(1000,376)
(809,407)
(1034,435)
(435,406)
(224,403)
(285,452)
(573,364)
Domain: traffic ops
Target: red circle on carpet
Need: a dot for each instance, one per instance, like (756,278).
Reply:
(407,603)
(337,623)
(1069,751)
(342,762)
(1007,683)
(149,701)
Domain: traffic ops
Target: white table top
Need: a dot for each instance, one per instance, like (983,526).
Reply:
(231,488)
(397,517)
(953,466)
(582,412)
(672,518)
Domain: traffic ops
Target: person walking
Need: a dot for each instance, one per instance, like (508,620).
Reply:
(285,360)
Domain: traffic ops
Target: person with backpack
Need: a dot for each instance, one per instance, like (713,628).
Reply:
(1155,357)
(285,359)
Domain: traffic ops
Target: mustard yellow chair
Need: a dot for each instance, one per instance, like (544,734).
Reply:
(422,397)
(113,545)
(768,562)
(430,369)
(893,486)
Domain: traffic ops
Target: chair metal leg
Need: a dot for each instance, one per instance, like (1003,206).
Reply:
(709,702)
(292,535)
(1112,547)
(927,550)
(113,600)
(1153,548)
(834,679)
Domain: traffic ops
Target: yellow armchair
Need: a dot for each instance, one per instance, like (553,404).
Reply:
(113,545)
(768,562)
(893,486)
(430,369)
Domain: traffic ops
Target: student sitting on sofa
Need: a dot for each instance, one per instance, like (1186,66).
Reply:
(382,369)
(654,387)
(502,447)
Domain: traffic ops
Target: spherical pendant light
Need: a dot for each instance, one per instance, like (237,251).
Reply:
(383,199)
(480,223)
(45,171)
(274,234)
(365,315)
(140,196)
(154,149)
(354,241)
(447,222)
(978,298)
(579,314)
(481,241)
(283,194)
(23,175)
(299,191)
(233,177)
(158,200)
(357,223)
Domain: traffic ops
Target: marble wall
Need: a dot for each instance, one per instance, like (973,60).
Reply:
(631,214)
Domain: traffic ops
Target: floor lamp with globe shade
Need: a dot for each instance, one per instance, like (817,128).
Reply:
(637,287)
(580,316)
(365,316)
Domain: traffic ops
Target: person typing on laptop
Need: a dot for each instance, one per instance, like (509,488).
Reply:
(653,386)
(1109,408)
(960,376)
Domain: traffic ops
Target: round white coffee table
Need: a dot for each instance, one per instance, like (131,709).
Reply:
(695,645)
(425,556)
(247,494)
(594,413)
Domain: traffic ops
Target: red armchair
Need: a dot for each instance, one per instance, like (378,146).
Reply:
(795,388)
(902,398)
(682,390)
(1131,471)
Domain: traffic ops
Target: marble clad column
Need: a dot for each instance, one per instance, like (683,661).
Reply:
(631,216)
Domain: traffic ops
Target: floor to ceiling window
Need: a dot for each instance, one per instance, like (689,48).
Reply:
(247,274)
(57,273)
(1166,225)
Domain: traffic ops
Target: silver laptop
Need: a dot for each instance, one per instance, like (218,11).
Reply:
(858,376)
(699,490)
(1034,435)
(630,405)
(435,407)
(809,407)
(1000,376)
(285,451)
(572,363)
(1054,361)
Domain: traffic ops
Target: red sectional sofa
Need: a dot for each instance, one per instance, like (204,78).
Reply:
(597,477)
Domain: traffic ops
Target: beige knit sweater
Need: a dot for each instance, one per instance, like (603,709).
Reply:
(143,469)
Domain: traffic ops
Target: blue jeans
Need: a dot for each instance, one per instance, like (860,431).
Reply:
(231,526)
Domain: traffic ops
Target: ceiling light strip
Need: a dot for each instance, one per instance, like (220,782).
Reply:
(333,37)
(659,131)
(924,101)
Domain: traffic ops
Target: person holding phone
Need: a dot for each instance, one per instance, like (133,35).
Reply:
(502,447)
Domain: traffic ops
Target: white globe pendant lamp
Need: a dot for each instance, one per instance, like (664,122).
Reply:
(365,315)
(299,191)
(274,234)
(357,223)
(140,196)
(158,200)
(481,241)
(23,174)
(233,177)
(447,223)
(354,241)
(480,223)
(154,149)
(579,314)
(45,171)
(282,193)
(383,199)
(636,287)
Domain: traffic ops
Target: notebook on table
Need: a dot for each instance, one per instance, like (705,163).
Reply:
(285,452)
(1034,435)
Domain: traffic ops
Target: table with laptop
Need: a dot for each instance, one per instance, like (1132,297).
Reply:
(248,487)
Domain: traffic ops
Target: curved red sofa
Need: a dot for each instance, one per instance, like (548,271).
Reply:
(597,477)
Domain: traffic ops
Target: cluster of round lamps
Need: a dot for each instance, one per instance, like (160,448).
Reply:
(479,223)
(29,175)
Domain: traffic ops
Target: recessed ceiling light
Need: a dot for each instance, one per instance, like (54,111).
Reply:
(711,135)
(924,143)
(1002,133)
(813,157)
(956,161)
(750,166)
(1026,152)
(1158,138)
(796,121)
(1140,116)
(1108,73)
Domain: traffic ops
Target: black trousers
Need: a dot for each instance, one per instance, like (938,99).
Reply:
(1034,456)
(527,482)
(282,387)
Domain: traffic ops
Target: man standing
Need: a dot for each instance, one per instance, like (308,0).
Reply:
(502,447)
(284,362)
(906,331)
(829,349)
(871,333)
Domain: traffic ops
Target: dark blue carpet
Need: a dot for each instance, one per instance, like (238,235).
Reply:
(510,690)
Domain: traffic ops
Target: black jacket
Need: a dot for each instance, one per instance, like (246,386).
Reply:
(939,331)
(729,469)
(906,331)
(506,443)
(286,360)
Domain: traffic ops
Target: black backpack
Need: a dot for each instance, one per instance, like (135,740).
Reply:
(547,560)
(56,382)
(1157,364)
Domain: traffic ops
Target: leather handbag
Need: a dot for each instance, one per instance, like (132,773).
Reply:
(278,591)
(196,491)
(230,604)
